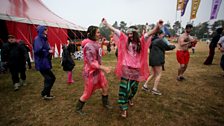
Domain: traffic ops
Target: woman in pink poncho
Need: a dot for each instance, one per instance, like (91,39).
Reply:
(132,64)
(93,69)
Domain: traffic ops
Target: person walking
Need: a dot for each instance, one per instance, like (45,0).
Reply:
(14,55)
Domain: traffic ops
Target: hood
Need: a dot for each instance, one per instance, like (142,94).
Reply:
(85,41)
(40,30)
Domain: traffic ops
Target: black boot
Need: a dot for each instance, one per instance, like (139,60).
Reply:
(106,102)
(79,107)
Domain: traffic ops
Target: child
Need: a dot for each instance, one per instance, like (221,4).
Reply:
(67,63)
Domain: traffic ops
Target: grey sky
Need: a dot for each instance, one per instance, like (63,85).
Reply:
(90,12)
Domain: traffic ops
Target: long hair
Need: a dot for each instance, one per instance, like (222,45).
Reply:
(135,38)
(91,32)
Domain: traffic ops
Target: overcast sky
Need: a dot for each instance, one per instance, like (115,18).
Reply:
(90,12)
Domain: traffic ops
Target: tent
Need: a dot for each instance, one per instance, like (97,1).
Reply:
(21,17)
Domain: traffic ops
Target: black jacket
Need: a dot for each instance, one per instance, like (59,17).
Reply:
(214,41)
(14,54)
(67,61)
(157,52)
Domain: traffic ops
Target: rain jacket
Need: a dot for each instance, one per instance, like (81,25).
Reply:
(41,49)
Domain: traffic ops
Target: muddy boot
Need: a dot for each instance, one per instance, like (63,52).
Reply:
(106,102)
(79,107)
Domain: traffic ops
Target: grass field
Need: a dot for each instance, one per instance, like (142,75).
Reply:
(198,101)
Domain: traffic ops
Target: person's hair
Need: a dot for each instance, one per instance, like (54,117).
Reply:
(189,26)
(91,32)
(219,30)
(135,39)
(11,36)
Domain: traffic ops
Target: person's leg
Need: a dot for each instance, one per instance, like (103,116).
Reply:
(52,79)
(49,80)
(123,96)
(23,77)
(72,77)
(210,57)
(158,74)
(70,80)
(179,56)
(88,90)
(181,71)
(105,96)
(183,60)
(134,89)
(145,85)
(15,79)
(193,50)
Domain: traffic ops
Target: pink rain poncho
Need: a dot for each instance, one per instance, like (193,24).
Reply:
(131,64)
(93,76)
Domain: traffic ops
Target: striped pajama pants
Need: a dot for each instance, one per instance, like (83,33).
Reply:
(128,89)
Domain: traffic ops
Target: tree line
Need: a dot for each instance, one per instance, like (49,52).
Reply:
(203,30)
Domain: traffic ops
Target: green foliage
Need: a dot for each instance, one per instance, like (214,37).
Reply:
(123,26)
(203,30)
(216,24)
(176,26)
(115,25)
(105,32)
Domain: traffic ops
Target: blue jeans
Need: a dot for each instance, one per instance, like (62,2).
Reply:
(49,80)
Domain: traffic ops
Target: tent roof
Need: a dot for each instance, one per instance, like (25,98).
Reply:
(33,12)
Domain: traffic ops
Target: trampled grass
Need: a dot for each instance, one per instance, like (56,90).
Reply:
(198,101)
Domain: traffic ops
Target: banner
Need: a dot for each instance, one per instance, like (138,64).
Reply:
(180,4)
(184,7)
(215,8)
(194,8)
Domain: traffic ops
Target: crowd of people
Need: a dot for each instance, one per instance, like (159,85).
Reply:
(131,67)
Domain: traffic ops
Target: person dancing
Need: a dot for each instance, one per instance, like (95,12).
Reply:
(132,64)
(93,70)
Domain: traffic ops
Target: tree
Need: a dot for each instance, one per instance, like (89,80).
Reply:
(115,25)
(123,26)
(176,26)
(201,31)
(105,32)
(216,24)
(141,28)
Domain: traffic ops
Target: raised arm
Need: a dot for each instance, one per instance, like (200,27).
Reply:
(158,26)
(116,31)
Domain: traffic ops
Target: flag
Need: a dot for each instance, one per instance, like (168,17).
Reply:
(215,8)
(180,4)
(194,8)
(184,7)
